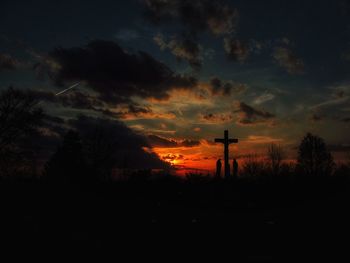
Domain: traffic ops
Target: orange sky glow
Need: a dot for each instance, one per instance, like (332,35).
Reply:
(202,158)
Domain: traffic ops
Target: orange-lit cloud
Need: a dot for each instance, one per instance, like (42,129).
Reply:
(256,139)
(159,142)
(131,112)
(215,118)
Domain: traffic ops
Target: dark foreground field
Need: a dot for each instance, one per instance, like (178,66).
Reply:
(259,220)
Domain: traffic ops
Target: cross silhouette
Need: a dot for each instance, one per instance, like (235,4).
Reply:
(226,141)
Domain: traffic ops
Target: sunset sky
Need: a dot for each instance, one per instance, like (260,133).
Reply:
(178,73)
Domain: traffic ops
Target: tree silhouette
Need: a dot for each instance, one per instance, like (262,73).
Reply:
(68,164)
(313,156)
(20,118)
(275,155)
(100,149)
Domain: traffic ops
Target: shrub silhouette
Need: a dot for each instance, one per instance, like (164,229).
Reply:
(313,157)
(287,169)
(20,118)
(253,166)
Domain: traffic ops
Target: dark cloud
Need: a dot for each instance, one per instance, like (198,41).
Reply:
(53,119)
(80,100)
(136,109)
(84,101)
(115,74)
(316,117)
(184,48)
(288,60)
(219,87)
(129,145)
(250,116)
(76,99)
(53,126)
(236,49)
(216,118)
(7,62)
(213,16)
(190,143)
(216,85)
(41,95)
(157,141)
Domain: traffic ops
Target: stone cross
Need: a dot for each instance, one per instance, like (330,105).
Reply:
(226,141)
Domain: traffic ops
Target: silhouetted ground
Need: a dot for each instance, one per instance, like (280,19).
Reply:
(253,219)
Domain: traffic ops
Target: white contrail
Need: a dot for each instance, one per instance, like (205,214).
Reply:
(71,87)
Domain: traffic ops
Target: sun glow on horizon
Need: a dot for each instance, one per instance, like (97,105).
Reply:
(202,158)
